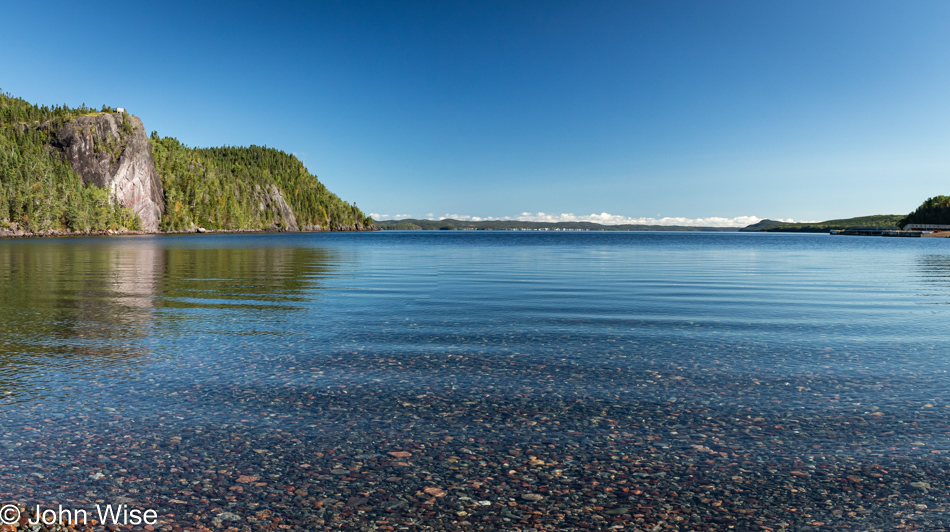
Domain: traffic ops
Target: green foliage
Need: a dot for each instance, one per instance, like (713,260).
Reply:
(215,188)
(762,225)
(935,210)
(16,111)
(126,127)
(223,188)
(876,221)
(398,225)
(39,191)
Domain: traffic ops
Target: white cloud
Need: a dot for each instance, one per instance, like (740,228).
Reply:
(470,218)
(793,221)
(602,218)
(377,216)
(616,219)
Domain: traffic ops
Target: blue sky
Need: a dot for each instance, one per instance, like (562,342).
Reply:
(703,112)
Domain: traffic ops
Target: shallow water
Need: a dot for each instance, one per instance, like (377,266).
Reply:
(792,379)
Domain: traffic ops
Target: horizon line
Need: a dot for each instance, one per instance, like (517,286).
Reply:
(602,219)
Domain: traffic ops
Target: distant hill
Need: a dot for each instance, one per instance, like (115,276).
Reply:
(876,221)
(764,225)
(449,224)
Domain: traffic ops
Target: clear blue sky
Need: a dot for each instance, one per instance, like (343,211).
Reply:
(800,109)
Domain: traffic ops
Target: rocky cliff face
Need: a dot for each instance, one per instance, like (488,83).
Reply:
(111,151)
(270,199)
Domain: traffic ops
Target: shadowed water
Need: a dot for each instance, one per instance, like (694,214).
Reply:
(688,380)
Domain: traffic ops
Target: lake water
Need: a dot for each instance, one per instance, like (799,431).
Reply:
(480,380)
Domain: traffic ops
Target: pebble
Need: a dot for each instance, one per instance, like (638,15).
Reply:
(533,429)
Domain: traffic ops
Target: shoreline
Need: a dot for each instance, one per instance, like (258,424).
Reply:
(17,234)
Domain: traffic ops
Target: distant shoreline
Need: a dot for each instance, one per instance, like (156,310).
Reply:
(449,224)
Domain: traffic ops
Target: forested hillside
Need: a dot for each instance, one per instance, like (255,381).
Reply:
(39,191)
(232,188)
(225,188)
(935,210)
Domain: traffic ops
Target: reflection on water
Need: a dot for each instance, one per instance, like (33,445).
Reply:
(93,306)
(260,278)
(68,308)
(724,381)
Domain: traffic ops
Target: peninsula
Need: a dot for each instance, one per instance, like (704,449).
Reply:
(83,171)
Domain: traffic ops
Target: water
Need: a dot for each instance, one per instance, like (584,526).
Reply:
(616,375)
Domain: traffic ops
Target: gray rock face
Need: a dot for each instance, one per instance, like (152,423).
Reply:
(269,198)
(111,151)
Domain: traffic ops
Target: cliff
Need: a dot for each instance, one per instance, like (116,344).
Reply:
(112,152)
(269,199)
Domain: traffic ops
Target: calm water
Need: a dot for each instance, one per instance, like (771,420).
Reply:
(800,379)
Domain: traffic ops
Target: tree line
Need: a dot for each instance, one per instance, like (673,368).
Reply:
(222,188)
(935,210)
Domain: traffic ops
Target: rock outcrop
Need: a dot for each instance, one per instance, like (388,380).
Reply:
(270,199)
(111,151)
